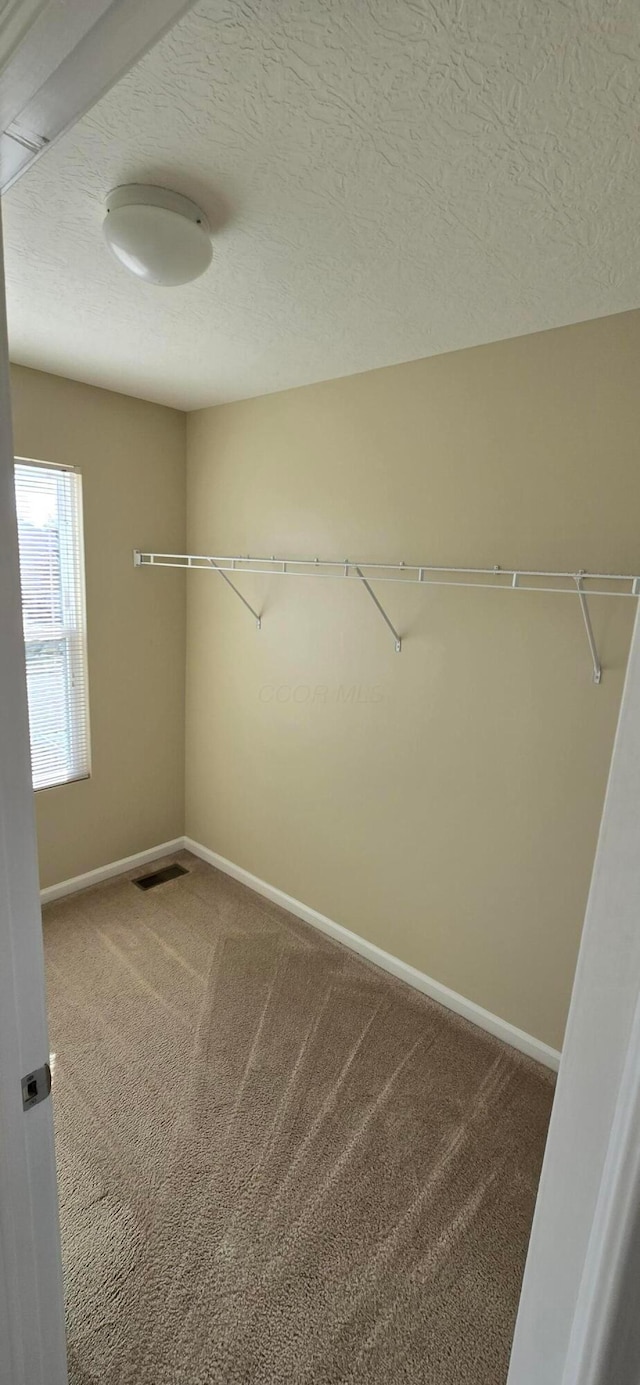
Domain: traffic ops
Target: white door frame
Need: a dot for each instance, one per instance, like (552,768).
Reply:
(31,1296)
(578,1320)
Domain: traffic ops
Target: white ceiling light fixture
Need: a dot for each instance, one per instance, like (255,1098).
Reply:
(158,235)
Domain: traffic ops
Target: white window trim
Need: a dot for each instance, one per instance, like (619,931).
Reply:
(68,633)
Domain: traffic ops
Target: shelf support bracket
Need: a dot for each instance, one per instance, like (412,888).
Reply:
(593,649)
(243,599)
(394,632)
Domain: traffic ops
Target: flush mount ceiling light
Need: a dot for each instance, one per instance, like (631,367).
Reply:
(156,234)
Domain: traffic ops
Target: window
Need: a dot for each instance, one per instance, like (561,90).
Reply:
(49,506)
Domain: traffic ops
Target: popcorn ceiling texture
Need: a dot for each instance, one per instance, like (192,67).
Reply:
(389,181)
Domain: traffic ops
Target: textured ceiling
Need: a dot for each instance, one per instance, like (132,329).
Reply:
(389,178)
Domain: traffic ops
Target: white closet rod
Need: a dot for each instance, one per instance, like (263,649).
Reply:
(396,572)
(580,584)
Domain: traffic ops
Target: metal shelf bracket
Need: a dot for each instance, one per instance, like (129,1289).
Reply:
(243,599)
(593,649)
(394,632)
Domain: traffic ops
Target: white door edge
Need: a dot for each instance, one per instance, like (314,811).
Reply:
(32,1351)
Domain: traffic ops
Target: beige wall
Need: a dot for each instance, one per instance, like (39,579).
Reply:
(443,803)
(448,808)
(132,458)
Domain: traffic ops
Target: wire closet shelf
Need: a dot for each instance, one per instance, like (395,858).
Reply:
(579,584)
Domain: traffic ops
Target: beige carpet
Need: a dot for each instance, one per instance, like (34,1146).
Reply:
(277,1164)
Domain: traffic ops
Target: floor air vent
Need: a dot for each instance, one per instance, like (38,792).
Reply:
(159,877)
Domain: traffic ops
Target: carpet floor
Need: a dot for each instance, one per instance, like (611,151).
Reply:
(277,1164)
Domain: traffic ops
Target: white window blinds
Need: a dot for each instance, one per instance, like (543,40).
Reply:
(49,506)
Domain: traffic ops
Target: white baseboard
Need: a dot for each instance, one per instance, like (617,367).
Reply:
(525,1043)
(93,877)
(517,1038)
